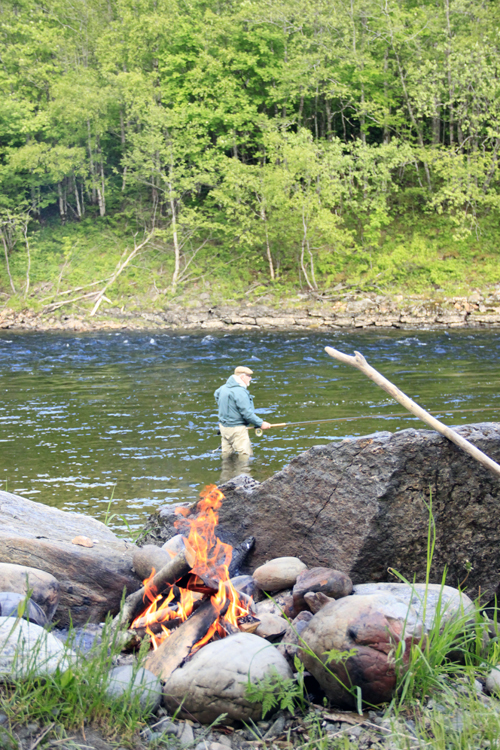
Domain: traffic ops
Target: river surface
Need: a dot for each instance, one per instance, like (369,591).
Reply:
(115,425)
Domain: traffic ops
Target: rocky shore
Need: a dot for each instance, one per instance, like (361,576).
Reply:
(477,310)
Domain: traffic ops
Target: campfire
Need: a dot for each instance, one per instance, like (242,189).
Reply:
(201,592)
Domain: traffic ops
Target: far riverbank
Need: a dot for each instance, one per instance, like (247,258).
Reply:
(352,310)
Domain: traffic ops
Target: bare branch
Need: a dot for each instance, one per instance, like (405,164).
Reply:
(361,364)
(118,271)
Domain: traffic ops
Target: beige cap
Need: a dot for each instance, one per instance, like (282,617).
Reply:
(243,371)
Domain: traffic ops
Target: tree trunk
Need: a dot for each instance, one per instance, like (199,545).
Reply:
(386,95)
(77,199)
(305,244)
(91,159)
(118,271)
(268,248)
(328,119)
(6,251)
(28,268)
(448,71)
(62,206)
(177,250)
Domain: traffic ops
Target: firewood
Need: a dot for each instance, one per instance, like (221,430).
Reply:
(175,649)
(248,624)
(167,576)
(143,630)
(229,628)
(240,553)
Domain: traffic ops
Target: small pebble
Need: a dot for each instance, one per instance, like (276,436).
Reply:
(185,734)
(222,740)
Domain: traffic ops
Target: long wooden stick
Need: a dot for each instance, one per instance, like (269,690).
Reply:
(361,364)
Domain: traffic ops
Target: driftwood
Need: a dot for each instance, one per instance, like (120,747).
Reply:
(361,364)
(175,569)
(177,647)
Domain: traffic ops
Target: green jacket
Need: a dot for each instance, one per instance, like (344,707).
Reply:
(235,405)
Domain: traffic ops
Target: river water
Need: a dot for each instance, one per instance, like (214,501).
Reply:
(114,425)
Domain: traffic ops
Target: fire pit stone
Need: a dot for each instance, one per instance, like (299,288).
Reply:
(271,626)
(128,681)
(332,583)
(214,680)
(366,628)
(28,649)
(148,557)
(278,574)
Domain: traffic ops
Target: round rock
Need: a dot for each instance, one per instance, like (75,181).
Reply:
(45,587)
(493,681)
(148,557)
(271,626)
(215,680)
(290,642)
(10,604)
(332,583)
(370,626)
(27,649)
(278,574)
(127,681)
(443,603)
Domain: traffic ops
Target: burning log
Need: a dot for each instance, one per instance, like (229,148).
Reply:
(175,649)
(200,570)
(248,624)
(140,631)
(240,553)
(175,569)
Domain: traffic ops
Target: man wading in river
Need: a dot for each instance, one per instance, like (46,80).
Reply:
(236,411)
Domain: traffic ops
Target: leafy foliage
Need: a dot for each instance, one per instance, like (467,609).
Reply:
(276,691)
(287,140)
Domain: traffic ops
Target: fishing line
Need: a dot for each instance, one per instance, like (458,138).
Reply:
(259,431)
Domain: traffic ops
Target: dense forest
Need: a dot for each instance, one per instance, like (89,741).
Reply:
(248,141)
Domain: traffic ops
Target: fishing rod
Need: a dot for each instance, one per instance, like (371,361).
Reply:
(259,431)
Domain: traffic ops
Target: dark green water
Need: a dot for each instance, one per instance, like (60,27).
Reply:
(118,424)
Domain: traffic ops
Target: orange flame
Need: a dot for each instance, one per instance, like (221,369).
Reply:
(212,559)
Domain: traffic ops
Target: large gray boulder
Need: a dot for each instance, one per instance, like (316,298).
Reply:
(91,578)
(361,506)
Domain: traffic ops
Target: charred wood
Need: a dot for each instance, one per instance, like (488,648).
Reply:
(175,649)
(240,553)
(167,576)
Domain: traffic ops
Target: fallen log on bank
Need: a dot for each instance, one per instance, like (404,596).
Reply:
(361,364)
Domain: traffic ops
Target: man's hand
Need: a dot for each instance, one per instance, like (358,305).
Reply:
(265,425)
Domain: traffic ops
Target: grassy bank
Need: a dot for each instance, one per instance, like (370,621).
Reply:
(439,703)
(418,254)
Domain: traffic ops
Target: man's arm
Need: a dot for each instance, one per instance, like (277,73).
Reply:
(245,408)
